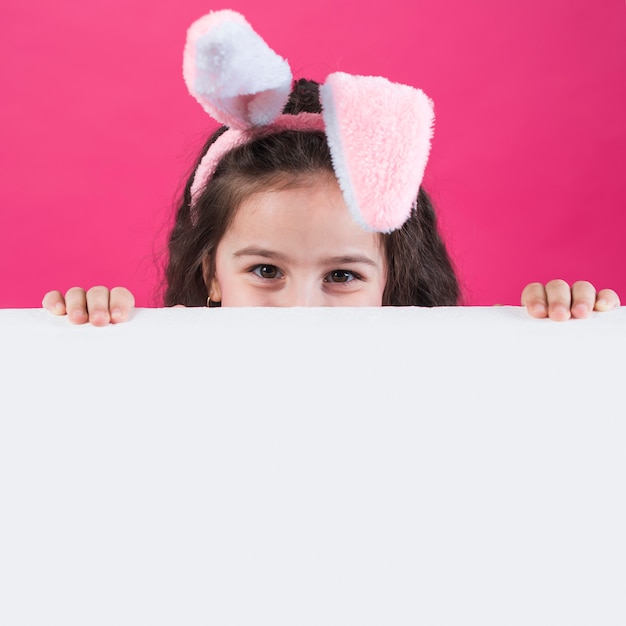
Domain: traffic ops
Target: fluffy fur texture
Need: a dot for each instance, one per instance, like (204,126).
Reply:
(379,136)
(232,72)
(379,132)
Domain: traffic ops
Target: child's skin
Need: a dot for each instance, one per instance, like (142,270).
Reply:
(279,251)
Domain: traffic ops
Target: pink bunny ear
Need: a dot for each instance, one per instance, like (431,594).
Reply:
(233,73)
(379,135)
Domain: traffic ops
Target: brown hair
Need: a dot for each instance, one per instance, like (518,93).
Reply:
(420,271)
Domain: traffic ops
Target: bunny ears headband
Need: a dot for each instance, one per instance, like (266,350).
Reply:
(378,132)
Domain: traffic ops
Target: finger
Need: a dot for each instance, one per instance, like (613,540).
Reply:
(121,303)
(76,305)
(583,299)
(559,297)
(54,302)
(606,300)
(98,306)
(534,299)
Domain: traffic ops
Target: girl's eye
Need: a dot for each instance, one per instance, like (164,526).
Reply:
(266,271)
(340,276)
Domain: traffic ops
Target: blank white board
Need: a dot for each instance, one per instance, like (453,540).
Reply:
(313,466)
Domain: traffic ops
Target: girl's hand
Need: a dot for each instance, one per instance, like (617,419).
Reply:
(98,306)
(559,302)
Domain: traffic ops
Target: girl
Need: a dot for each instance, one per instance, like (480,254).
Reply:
(308,195)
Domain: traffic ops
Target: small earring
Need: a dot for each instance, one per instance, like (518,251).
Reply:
(212,304)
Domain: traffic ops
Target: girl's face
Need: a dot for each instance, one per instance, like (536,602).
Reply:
(298,246)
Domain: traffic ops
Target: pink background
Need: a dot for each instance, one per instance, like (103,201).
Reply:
(97,130)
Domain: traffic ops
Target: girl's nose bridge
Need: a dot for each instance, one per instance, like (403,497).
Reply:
(304,291)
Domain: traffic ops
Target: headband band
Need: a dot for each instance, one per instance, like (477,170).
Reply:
(233,138)
(378,132)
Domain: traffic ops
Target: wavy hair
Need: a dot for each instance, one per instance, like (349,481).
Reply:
(420,271)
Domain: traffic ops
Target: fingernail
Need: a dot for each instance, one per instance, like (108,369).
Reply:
(560,311)
(117,314)
(99,314)
(58,308)
(77,314)
(581,310)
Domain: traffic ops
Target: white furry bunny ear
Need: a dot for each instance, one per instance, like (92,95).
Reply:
(236,77)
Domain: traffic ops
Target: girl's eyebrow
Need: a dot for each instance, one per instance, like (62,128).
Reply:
(348,259)
(252,251)
(344,259)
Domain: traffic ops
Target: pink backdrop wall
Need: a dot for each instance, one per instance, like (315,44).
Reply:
(527,170)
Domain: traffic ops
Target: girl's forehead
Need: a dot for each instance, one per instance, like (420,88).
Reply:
(312,210)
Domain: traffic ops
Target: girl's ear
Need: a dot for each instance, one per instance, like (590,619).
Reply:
(215,293)
(211,282)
